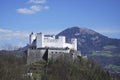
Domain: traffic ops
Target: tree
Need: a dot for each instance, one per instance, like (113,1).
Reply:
(12,68)
(79,69)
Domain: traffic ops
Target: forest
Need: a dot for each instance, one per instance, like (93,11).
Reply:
(13,67)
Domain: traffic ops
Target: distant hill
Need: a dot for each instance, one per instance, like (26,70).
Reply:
(88,40)
(105,51)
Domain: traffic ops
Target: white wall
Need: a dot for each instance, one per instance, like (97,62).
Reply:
(74,43)
(42,41)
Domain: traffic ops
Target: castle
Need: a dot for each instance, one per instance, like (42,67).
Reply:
(39,43)
(39,40)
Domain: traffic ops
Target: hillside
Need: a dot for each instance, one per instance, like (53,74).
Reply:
(89,40)
(62,68)
(105,51)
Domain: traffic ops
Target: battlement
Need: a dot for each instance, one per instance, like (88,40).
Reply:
(39,40)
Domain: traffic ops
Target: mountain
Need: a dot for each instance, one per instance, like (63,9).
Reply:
(88,40)
(105,51)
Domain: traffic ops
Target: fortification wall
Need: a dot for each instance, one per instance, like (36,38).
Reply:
(34,55)
(50,41)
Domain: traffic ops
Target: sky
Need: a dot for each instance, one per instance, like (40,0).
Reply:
(18,18)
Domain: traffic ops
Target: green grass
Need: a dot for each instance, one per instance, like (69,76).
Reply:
(102,54)
(105,54)
(111,66)
(36,75)
(109,47)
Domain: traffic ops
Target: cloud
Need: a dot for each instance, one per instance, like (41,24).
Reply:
(33,8)
(36,8)
(46,7)
(9,34)
(10,40)
(25,11)
(108,31)
(4,31)
(9,46)
(37,1)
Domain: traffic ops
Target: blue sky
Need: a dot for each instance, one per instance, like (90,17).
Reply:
(20,17)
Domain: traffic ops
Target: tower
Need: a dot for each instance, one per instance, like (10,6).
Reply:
(74,43)
(40,40)
(32,37)
(62,41)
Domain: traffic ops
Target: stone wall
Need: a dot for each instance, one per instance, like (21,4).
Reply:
(34,55)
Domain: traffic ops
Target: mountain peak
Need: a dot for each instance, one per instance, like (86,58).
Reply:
(82,30)
(86,38)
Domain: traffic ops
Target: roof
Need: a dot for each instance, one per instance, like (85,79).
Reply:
(54,48)
(49,35)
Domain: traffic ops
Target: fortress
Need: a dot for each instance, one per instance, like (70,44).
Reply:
(40,43)
(39,40)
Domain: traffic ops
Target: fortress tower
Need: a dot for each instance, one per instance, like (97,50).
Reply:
(40,40)
(74,43)
(32,37)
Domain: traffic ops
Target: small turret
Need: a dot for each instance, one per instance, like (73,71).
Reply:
(32,37)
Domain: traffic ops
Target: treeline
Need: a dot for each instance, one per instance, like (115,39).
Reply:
(64,68)
(12,67)
(61,68)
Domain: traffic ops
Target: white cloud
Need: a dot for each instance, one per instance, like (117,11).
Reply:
(37,1)
(4,31)
(37,5)
(32,10)
(9,46)
(13,39)
(36,8)
(108,31)
(9,34)
(46,7)
(25,11)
